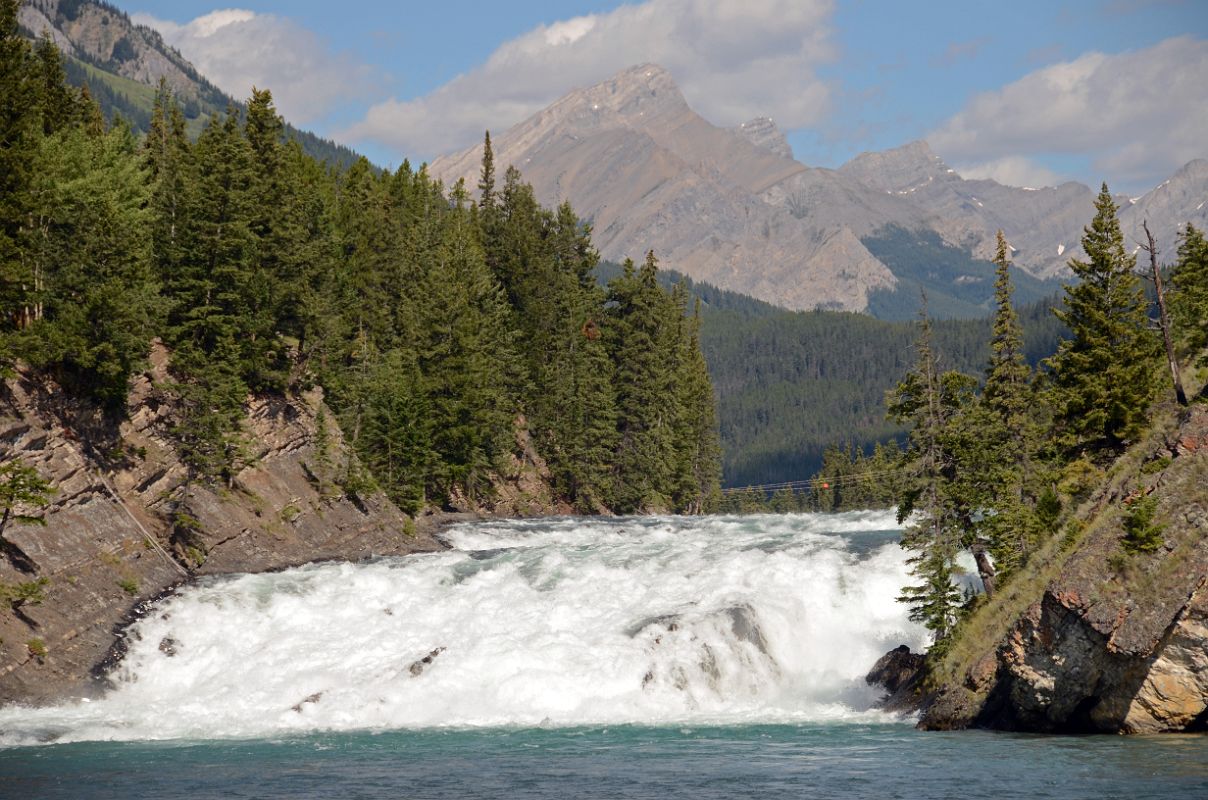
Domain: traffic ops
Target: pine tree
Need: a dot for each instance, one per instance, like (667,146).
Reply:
(210,321)
(467,344)
(1006,471)
(643,339)
(58,103)
(1104,377)
(276,267)
(572,409)
(395,439)
(486,183)
(932,403)
(101,301)
(20,129)
(168,163)
(698,445)
(1190,300)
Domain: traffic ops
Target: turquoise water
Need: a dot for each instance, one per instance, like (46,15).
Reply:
(811,761)
(623,658)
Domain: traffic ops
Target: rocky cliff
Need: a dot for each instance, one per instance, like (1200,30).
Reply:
(126,524)
(100,34)
(1098,639)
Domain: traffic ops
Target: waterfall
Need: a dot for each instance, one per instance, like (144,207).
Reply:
(565,622)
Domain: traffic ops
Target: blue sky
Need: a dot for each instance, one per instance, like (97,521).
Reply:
(1025,91)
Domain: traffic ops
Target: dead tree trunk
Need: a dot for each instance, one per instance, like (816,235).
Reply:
(985,567)
(1163,319)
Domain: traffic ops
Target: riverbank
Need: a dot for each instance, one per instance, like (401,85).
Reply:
(126,526)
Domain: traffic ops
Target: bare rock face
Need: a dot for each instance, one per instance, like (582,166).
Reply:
(1168,208)
(126,525)
(1061,673)
(98,33)
(651,174)
(762,132)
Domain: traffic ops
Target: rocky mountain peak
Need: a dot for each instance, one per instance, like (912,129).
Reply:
(1169,207)
(901,169)
(634,97)
(762,132)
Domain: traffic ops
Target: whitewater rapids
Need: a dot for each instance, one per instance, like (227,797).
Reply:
(568,622)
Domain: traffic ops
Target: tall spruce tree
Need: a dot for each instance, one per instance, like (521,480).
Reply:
(698,468)
(20,129)
(1190,301)
(467,344)
(275,269)
(1103,377)
(643,338)
(167,159)
(932,402)
(1010,432)
(101,301)
(59,103)
(573,410)
(210,324)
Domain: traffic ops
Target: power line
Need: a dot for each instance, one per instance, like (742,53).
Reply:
(813,483)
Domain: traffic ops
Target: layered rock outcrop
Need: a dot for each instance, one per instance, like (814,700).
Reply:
(126,523)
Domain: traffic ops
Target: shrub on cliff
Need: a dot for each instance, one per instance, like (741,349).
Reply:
(1141,535)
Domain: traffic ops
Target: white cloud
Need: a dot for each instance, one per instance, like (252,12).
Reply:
(1013,171)
(733,59)
(237,49)
(1138,115)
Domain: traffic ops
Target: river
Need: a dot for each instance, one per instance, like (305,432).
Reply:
(652,657)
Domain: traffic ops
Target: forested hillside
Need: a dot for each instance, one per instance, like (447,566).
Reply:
(792,384)
(106,51)
(444,331)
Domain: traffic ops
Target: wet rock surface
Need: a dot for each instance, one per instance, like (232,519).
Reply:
(900,672)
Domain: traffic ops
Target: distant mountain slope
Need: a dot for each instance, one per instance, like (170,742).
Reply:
(1181,199)
(733,208)
(1042,224)
(121,63)
(650,173)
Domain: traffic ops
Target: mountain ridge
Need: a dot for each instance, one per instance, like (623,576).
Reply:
(106,51)
(732,206)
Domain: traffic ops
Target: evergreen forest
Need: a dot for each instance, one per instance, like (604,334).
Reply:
(449,329)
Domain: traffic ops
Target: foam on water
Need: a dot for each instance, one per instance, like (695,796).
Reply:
(553,622)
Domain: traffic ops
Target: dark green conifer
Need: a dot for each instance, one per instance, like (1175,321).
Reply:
(58,103)
(101,301)
(216,337)
(932,403)
(1190,300)
(643,340)
(20,129)
(1009,434)
(699,449)
(1104,376)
